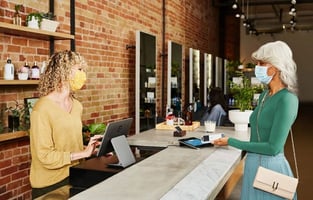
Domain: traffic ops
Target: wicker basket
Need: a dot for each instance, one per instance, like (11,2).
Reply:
(49,25)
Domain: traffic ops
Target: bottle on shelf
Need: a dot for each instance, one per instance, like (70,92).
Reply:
(35,72)
(26,66)
(8,72)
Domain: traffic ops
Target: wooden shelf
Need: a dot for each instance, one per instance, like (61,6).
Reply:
(19,82)
(24,31)
(12,135)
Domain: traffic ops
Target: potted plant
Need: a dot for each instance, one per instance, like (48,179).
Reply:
(234,68)
(18,116)
(14,113)
(48,22)
(17,19)
(243,96)
(91,130)
(33,20)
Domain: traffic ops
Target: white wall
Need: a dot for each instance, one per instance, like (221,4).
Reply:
(301,43)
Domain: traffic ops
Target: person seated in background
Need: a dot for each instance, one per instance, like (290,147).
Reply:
(217,107)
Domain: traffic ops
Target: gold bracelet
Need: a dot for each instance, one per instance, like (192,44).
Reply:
(71,156)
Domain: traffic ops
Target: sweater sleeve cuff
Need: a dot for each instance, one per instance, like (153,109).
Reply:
(67,157)
(231,141)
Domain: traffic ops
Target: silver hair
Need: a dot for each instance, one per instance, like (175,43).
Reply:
(279,54)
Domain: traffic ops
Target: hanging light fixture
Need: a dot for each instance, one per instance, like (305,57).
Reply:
(242,16)
(292,10)
(293,21)
(246,21)
(235,5)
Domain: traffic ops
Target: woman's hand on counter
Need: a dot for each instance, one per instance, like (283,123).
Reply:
(221,141)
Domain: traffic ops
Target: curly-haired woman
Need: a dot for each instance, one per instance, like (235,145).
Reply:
(56,126)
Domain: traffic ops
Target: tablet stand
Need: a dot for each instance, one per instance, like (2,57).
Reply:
(122,150)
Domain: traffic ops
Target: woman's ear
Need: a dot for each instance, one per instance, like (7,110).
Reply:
(271,70)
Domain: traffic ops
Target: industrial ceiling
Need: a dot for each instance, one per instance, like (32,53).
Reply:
(270,16)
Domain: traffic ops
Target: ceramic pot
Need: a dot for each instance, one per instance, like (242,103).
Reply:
(34,23)
(240,119)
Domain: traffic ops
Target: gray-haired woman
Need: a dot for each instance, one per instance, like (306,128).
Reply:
(272,119)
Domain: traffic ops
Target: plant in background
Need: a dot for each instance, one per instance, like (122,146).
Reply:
(14,114)
(233,68)
(91,130)
(48,15)
(19,113)
(48,22)
(25,117)
(15,110)
(243,93)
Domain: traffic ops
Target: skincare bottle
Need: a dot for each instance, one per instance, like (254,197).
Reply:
(35,72)
(29,70)
(8,72)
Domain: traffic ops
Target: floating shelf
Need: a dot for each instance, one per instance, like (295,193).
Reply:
(12,135)
(24,31)
(19,82)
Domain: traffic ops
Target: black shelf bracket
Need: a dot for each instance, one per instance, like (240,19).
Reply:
(128,46)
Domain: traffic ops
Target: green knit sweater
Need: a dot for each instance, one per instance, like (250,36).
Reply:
(54,134)
(273,119)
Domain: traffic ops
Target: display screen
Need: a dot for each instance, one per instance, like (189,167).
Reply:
(194,142)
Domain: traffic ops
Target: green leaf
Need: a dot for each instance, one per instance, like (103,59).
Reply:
(97,128)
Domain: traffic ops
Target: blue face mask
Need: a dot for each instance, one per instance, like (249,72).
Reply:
(261,74)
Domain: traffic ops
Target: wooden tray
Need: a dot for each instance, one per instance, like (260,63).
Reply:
(164,126)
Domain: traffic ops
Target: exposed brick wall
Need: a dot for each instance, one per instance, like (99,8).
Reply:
(14,169)
(103,29)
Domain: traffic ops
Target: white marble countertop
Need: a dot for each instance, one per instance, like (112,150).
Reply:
(173,173)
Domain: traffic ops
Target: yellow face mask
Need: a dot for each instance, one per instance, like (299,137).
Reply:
(78,81)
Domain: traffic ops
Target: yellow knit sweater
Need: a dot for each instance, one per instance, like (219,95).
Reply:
(54,134)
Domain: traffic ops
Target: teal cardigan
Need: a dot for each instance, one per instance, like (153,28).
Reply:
(277,114)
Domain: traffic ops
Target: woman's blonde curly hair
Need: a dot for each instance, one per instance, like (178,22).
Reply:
(58,71)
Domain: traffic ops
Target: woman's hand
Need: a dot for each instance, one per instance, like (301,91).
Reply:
(93,143)
(221,141)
